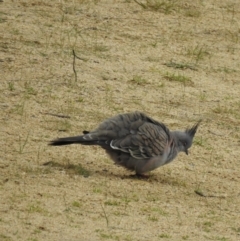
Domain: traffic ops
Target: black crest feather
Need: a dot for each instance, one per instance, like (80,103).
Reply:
(192,131)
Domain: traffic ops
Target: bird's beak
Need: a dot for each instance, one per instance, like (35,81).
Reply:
(186,151)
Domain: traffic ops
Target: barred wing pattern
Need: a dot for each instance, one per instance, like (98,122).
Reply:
(148,141)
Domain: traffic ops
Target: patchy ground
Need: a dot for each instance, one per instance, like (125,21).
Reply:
(177,61)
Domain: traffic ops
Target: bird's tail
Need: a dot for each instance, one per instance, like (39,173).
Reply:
(70,140)
(86,139)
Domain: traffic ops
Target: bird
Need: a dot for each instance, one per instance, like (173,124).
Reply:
(135,141)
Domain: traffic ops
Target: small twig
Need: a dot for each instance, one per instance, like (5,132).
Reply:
(215,133)
(57,115)
(74,70)
(141,4)
(22,146)
(200,193)
(105,215)
(74,57)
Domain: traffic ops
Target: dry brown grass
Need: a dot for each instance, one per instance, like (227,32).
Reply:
(128,52)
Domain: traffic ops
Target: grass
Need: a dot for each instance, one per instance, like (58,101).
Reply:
(3,17)
(138,80)
(164,236)
(29,90)
(77,169)
(112,203)
(182,66)
(20,108)
(76,204)
(23,143)
(222,238)
(36,208)
(178,78)
(100,48)
(169,6)
(227,111)
(11,86)
(97,190)
(165,6)
(64,125)
(200,141)
(198,53)
(237,230)
(153,218)
(104,235)
(70,168)
(226,70)
(203,96)
(193,13)
(5,237)
(153,59)
(159,211)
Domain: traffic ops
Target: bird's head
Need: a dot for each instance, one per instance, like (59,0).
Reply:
(184,139)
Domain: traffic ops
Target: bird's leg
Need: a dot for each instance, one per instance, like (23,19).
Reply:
(140,175)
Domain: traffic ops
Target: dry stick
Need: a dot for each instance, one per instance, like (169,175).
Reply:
(200,193)
(75,73)
(57,115)
(105,215)
(74,70)
(141,4)
(215,133)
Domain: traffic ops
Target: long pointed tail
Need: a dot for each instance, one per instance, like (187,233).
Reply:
(69,141)
(88,138)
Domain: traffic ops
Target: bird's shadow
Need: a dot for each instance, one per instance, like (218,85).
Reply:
(78,169)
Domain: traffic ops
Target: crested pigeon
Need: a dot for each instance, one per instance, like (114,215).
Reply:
(135,141)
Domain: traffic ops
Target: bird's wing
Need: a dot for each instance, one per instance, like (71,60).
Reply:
(148,141)
(121,125)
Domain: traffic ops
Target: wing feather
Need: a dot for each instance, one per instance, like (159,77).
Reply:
(149,140)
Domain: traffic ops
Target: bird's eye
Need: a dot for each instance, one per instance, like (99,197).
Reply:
(185,143)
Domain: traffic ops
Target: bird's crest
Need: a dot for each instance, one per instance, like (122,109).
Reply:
(192,131)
